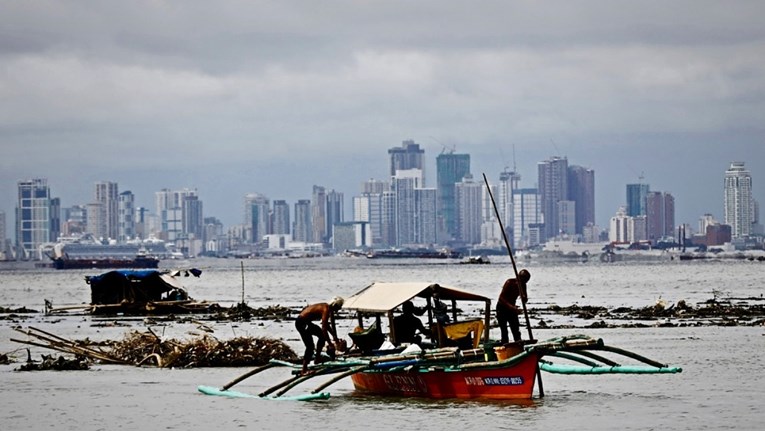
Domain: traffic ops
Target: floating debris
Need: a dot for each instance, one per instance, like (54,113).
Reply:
(147,348)
(58,364)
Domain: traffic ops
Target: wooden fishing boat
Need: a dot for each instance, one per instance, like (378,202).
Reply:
(458,361)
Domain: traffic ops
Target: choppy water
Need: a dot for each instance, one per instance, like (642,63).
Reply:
(722,385)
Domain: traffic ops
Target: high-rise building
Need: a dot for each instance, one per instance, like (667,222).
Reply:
(126,217)
(280,218)
(469,210)
(415,209)
(257,217)
(636,194)
(738,202)
(508,184)
(581,189)
(553,188)
(193,217)
(450,169)
(319,214)
(660,216)
(527,218)
(33,221)
(335,213)
(618,227)
(301,228)
(388,213)
(170,206)
(407,156)
(369,208)
(403,184)
(107,195)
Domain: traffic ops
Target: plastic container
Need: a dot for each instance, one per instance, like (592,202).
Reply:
(508,351)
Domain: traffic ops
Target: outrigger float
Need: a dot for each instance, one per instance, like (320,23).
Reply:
(464,363)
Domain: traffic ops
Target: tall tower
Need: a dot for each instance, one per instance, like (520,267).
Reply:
(335,213)
(107,195)
(527,218)
(581,189)
(469,208)
(301,228)
(319,214)
(508,184)
(450,169)
(636,194)
(738,203)
(280,218)
(256,213)
(126,225)
(553,188)
(407,156)
(660,216)
(33,225)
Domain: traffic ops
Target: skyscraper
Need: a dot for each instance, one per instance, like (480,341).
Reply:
(280,218)
(581,189)
(335,213)
(257,218)
(301,228)
(450,169)
(407,156)
(553,188)
(107,195)
(660,216)
(170,207)
(319,214)
(508,184)
(126,228)
(33,225)
(636,194)
(738,203)
(527,218)
(468,209)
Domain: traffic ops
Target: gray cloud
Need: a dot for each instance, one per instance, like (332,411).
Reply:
(276,96)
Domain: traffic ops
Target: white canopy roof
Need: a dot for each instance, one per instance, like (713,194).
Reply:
(383,297)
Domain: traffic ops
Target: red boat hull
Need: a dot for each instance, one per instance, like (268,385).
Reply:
(515,381)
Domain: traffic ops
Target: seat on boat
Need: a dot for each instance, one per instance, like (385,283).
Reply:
(462,333)
(369,339)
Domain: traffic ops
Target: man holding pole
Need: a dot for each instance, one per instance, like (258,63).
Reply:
(507,311)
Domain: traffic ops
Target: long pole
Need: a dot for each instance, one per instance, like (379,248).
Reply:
(515,270)
(242,262)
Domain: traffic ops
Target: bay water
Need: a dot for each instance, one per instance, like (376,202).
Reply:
(722,385)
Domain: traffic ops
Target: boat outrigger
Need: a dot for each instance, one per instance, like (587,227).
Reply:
(460,362)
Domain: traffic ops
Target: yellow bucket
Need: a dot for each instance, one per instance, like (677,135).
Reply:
(508,351)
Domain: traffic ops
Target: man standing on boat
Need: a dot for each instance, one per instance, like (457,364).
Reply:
(307,329)
(507,311)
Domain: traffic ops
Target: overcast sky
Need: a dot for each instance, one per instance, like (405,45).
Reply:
(235,97)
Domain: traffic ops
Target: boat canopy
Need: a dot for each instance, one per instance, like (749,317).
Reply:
(383,297)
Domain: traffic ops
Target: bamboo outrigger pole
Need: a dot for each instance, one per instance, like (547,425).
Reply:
(515,270)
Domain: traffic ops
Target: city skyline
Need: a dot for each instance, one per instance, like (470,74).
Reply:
(643,188)
(275,98)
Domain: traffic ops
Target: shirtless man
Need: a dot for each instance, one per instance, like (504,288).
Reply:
(307,329)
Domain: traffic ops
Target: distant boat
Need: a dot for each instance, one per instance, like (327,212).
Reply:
(476,260)
(424,253)
(86,253)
